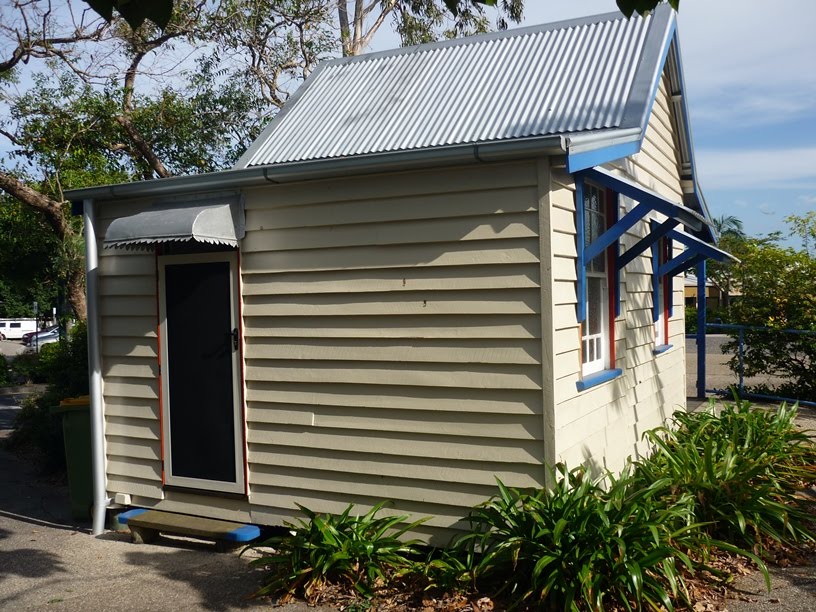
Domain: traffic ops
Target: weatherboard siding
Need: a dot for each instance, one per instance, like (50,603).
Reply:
(603,425)
(393,341)
(130,369)
(398,343)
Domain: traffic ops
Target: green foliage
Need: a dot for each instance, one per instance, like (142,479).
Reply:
(25,368)
(135,13)
(742,470)
(627,7)
(30,255)
(691,320)
(804,226)
(5,373)
(72,128)
(577,545)
(38,433)
(778,287)
(359,551)
(64,366)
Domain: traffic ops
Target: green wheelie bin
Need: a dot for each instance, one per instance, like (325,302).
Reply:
(76,428)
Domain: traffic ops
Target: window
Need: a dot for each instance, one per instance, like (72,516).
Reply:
(15,325)
(662,294)
(596,341)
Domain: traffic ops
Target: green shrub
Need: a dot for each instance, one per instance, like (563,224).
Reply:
(784,355)
(742,469)
(25,368)
(359,551)
(691,320)
(5,372)
(64,366)
(39,433)
(579,546)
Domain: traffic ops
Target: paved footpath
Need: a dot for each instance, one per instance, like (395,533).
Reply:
(48,561)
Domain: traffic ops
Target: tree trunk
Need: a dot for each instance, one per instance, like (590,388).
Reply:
(75,293)
(54,214)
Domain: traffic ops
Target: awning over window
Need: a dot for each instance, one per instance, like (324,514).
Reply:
(209,221)
(647,201)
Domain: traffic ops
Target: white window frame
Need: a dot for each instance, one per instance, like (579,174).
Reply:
(660,326)
(595,351)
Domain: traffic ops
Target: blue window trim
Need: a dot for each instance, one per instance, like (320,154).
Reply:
(593,380)
(662,348)
(616,268)
(610,238)
(670,279)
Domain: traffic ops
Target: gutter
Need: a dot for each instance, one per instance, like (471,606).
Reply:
(100,498)
(325,168)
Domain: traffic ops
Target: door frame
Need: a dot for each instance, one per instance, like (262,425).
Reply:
(237,383)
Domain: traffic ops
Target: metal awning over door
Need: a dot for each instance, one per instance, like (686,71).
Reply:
(213,221)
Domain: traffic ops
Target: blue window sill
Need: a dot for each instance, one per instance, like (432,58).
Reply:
(661,349)
(598,378)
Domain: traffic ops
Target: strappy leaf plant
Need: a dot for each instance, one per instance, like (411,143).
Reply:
(579,546)
(361,551)
(742,470)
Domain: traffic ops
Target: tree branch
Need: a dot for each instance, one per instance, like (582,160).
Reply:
(50,209)
(143,147)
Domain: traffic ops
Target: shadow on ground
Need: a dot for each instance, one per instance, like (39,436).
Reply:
(223,580)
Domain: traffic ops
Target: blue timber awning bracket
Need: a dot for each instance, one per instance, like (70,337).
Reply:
(648,201)
(696,250)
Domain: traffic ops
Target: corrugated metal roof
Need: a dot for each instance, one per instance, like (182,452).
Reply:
(565,78)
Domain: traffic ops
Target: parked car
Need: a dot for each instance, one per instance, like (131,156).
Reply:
(45,336)
(13,329)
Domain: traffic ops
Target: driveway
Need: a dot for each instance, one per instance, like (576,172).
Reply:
(10,348)
(49,561)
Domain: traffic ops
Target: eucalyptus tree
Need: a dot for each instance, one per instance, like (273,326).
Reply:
(86,100)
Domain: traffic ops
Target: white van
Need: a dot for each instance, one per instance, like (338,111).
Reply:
(13,329)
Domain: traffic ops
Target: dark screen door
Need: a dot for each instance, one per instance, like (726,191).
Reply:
(200,372)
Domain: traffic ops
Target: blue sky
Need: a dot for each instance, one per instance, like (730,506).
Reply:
(751,91)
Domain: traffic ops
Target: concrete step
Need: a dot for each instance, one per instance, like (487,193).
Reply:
(146,525)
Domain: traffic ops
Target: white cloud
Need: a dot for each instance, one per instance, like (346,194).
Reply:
(793,168)
(748,63)
(808,199)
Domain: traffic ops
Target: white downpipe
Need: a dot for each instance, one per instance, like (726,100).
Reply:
(100,499)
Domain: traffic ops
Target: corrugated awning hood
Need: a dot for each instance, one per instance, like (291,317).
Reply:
(215,222)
